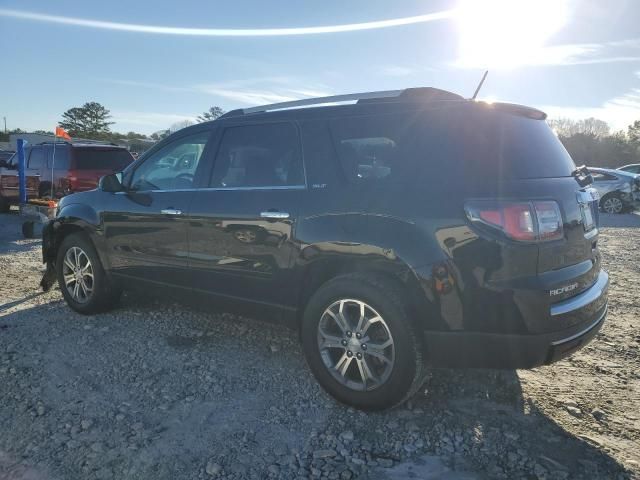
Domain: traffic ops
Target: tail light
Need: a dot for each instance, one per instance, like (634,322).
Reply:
(537,221)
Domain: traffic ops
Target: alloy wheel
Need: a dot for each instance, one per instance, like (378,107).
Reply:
(612,205)
(77,272)
(356,345)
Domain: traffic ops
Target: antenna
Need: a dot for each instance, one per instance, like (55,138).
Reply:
(475,94)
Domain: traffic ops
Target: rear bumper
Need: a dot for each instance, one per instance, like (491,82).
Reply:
(494,350)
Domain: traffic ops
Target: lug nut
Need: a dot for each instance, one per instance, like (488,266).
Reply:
(349,353)
(363,346)
(344,343)
(349,334)
(358,335)
(359,356)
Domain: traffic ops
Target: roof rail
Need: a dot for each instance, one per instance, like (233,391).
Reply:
(389,95)
(322,100)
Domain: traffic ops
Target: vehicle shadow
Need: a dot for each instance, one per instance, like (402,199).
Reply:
(628,220)
(199,383)
(15,303)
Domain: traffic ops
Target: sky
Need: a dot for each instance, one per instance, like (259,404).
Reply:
(155,63)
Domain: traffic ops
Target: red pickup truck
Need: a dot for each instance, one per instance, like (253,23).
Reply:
(77,167)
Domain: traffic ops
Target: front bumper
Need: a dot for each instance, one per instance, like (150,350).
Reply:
(494,350)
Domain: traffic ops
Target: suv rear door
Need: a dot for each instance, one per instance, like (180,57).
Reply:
(241,227)
(145,227)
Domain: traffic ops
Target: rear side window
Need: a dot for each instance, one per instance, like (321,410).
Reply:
(259,156)
(101,159)
(36,158)
(460,145)
(59,161)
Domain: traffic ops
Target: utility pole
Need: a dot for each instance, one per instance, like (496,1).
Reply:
(5,124)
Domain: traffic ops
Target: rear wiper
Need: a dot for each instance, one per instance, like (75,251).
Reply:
(582,176)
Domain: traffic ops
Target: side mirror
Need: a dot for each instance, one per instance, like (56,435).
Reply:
(111,183)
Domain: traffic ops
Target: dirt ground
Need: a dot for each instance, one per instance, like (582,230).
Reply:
(159,390)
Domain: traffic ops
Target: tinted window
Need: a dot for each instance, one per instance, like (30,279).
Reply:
(460,144)
(61,159)
(259,156)
(173,166)
(36,158)
(101,159)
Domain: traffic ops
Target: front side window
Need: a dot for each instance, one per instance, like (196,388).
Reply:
(259,156)
(173,167)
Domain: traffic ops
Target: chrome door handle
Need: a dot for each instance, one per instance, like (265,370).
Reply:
(274,214)
(171,211)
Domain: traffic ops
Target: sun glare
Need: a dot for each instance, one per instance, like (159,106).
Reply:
(507,33)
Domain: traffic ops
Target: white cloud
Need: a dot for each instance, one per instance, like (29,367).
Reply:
(153,120)
(223,32)
(619,112)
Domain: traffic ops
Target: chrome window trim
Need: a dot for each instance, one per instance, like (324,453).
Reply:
(213,189)
(583,299)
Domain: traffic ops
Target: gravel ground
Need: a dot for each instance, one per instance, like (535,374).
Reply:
(157,390)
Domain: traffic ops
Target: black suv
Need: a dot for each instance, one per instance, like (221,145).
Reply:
(410,229)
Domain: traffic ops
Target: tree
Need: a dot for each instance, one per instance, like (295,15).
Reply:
(633,134)
(180,125)
(567,127)
(89,120)
(211,114)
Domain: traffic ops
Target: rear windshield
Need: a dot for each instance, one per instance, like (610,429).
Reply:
(439,146)
(102,159)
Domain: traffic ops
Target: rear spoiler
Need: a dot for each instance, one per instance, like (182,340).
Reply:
(516,109)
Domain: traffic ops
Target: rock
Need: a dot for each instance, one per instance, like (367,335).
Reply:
(598,414)
(575,411)
(409,448)
(212,469)
(346,475)
(324,453)
(385,462)
(273,469)
(86,424)
(40,410)
(96,447)
(347,435)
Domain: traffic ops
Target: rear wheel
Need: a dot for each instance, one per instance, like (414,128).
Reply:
(612,203)
(360,344)
(82,280)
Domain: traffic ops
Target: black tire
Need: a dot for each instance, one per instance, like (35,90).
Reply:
(618,201)
(104,295)
(28,230)
(386,298)
(44,190)
(5,206)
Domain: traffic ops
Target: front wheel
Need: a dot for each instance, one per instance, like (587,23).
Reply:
(83,282)
(612,204)
(360,343)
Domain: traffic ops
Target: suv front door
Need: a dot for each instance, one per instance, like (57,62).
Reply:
(241,227)
(145,227)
